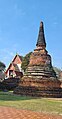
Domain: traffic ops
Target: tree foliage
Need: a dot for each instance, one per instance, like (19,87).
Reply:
(57,70)
(25,61)
(2,66)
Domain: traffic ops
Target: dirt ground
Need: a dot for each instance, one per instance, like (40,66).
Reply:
(12,113)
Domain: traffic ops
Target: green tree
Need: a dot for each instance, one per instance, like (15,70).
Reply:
(25,61)
(2,66)
(57,70)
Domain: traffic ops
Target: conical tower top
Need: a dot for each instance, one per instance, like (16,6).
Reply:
(41,38)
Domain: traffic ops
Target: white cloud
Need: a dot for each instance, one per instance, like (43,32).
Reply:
(7,54)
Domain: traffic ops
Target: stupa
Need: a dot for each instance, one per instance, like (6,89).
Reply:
(40,79)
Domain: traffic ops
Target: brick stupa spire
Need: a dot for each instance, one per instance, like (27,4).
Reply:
(40,78)
(41,38)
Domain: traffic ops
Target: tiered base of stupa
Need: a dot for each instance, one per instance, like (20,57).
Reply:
(38,86)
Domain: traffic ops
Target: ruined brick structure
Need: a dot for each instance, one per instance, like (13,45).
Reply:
(40,78)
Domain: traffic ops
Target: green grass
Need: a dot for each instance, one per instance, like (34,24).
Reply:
(35,104)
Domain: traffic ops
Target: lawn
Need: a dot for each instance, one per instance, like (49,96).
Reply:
(35,104)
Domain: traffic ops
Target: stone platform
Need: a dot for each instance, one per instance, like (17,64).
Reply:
(39,88)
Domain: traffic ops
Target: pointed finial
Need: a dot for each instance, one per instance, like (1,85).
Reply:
(41,24)
(41,39)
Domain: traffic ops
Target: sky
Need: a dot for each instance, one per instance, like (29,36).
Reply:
(19,27)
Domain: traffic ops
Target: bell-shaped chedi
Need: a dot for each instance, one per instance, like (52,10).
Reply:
(40,78)
(40,61)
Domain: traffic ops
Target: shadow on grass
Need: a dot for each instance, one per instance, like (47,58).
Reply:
(9,96)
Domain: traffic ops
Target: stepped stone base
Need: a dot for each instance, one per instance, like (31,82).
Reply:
(39,88)
(34,91)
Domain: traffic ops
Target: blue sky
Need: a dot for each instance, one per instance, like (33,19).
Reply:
(19,26)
